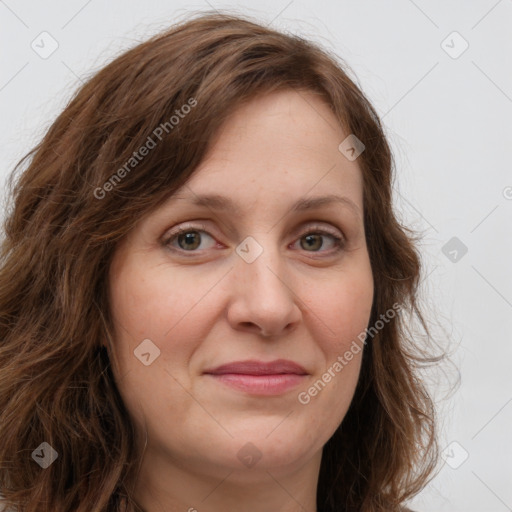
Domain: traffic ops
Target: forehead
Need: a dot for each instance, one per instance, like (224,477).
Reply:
(281,145)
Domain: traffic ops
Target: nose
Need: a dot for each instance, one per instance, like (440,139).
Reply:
(263,299)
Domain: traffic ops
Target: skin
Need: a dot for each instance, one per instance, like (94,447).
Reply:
(203,305)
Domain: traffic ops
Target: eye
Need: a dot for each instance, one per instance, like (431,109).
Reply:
(189,238)
(312,241)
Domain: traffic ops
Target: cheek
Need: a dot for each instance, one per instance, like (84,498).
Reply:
(145,306)
(172,309)
(152,301)
(344,305)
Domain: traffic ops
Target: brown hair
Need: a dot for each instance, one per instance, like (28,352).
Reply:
(70,210)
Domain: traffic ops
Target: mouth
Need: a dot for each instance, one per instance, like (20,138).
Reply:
(259,378)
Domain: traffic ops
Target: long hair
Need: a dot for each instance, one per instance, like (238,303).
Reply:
(83,188)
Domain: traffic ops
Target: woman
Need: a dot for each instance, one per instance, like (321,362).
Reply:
(205,290)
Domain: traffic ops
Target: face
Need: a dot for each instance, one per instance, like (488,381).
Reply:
(254,275)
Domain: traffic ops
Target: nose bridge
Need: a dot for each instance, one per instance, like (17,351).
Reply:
(260,258)
(263,292)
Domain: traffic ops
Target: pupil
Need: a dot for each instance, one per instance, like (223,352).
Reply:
(311,238)
(188,237)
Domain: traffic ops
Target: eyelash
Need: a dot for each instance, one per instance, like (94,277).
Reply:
(339,242)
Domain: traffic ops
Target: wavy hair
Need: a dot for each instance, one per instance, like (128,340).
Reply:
(71,204)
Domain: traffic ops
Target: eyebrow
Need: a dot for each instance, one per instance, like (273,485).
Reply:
(219,202)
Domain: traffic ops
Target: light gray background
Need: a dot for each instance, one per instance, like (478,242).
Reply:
(448,120)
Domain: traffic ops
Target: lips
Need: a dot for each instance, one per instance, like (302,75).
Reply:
(253,367)
(259,378)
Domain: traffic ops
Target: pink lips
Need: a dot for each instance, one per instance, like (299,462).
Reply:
(258,377)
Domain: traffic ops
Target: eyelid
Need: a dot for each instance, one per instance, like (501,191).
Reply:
(184,228)
(311,227)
